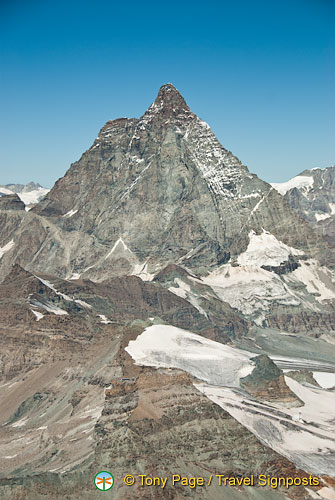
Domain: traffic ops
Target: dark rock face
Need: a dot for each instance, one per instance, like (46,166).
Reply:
(267,383)
(285,267)
(11,202)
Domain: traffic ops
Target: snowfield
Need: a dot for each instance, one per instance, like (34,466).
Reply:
(305,434)
(254,291)
(250,289)
(33,197)
(266,250)
(170,347)
(304,182)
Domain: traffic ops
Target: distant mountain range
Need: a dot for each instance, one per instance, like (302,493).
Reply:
(30,193)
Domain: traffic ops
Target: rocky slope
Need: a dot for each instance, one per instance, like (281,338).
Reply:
(73,402)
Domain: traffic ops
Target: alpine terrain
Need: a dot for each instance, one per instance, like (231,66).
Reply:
(29,194)
(165,311)
(311,194)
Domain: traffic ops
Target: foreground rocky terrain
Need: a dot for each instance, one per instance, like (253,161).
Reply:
(164,311)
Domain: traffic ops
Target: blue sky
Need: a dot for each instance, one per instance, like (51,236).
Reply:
(261,73)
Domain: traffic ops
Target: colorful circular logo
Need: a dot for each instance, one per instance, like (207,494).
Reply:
(104,480)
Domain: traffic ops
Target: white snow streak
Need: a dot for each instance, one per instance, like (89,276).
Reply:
(103,319)
(119,243)
(184,290)
(37,314)
(70,213)
(6,248)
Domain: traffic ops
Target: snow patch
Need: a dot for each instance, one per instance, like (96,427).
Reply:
(51,286)
(325,379)
(318,280)
(302,182)
(48,306)
(304,435)
(75,276)
(251,195)
(184,290)
(83,303)
(70,213)
(219,167)
(266,250)
(103,319)
(326,493)
(20,423)
(33,197)
(37,314)
(141,270)
(121,245)
(6,248)
(250,289)
(321,216)
(4,190)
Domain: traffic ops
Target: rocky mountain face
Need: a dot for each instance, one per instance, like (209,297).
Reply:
(161,190)
(312,195)
(158,232)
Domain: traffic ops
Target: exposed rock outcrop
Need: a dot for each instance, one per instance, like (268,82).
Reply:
(303,376)
(11,202)
(267,383)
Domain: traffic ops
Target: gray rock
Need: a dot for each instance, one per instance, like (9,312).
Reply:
(11,202)
(316,203)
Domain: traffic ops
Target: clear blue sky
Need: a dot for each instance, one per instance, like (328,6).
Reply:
(260,72)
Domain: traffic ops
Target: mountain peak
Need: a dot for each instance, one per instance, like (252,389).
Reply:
(169,102)
(170,95)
